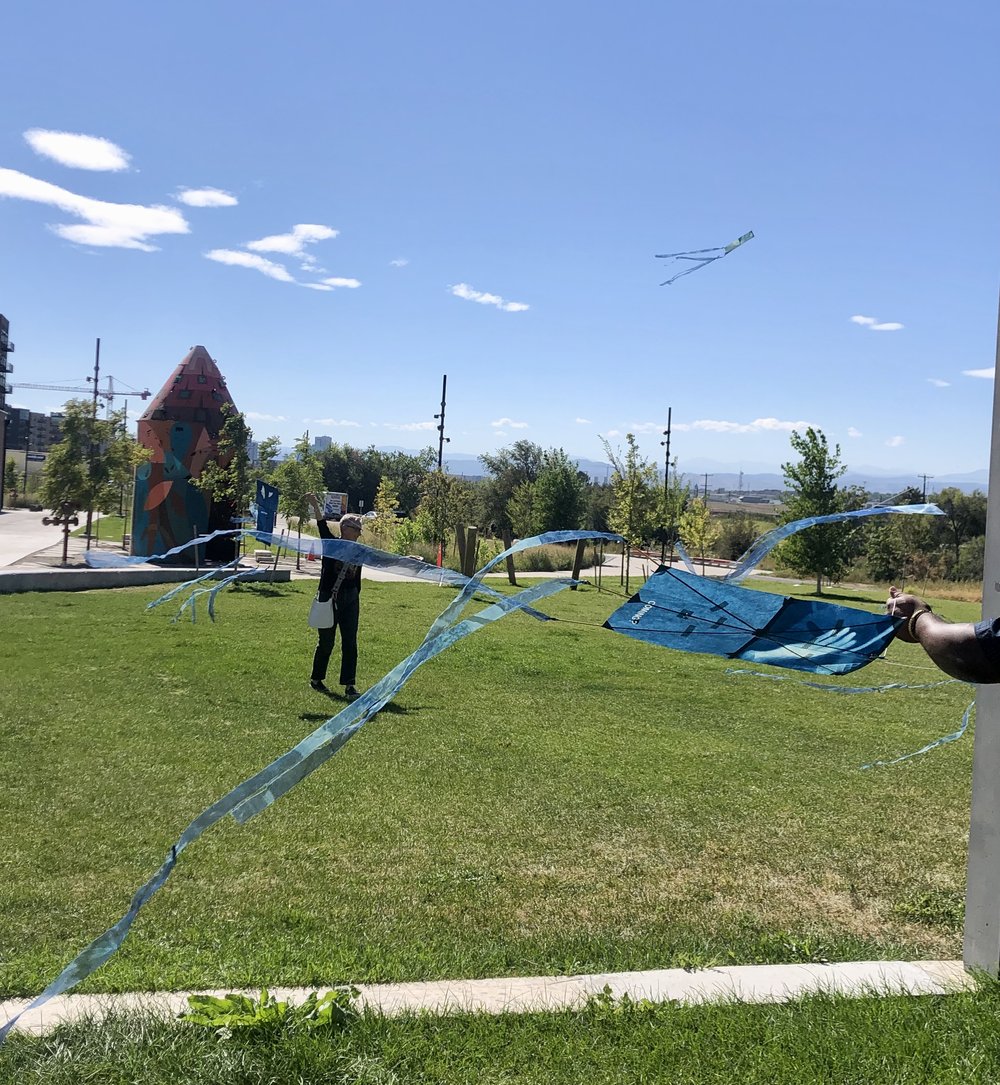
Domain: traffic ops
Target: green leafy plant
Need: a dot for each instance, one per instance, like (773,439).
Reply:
(234,1013)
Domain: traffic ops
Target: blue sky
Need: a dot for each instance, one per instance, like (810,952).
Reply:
(343,202)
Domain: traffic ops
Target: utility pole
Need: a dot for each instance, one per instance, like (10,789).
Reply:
(93,443)
(441,443)
(666,455)
(666,490)
(441,437)
(925,478)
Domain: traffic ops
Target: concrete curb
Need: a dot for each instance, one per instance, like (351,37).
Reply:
(42,579)
(534,994)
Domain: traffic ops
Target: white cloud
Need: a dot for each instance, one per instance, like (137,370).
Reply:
(895,442)
(247,259)
(938,383)
(758,425)
(331,422)
(582,421)
(79,151)
(613,433)
(206,197)
(334,284)
(294,243)
(874,325)
(647,427)
(256,416)
(985,374)
(463,290)
(409,425)
(852,431)
(399,262)
(509,422)
(112,225)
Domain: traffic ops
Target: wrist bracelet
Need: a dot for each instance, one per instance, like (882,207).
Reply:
(911,625)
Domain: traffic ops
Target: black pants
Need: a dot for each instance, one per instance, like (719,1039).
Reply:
(345,618)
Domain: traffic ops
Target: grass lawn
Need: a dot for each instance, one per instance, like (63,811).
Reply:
(543,798)
(892,1041)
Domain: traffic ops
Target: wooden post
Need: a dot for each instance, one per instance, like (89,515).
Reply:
(508,542)
(581,547)
(981,945)
(460,546)
(471,548)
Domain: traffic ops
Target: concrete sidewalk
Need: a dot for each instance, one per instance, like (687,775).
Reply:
(534,994)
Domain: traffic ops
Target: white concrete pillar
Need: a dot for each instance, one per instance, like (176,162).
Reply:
(981,947)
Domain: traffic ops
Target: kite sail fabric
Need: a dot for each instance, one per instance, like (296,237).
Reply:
(700,257)
(674,609)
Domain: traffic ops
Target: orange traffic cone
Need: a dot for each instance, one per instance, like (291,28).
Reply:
(311,556)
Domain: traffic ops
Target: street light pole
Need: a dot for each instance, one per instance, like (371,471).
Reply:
(440,480)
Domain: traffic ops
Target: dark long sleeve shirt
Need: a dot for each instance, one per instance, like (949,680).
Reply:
(331,568)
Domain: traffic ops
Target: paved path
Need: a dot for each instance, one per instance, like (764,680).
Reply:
(743,983)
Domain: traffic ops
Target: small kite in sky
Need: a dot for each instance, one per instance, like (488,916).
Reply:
(701,257)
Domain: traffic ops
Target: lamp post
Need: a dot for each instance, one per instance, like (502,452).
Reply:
(666,486)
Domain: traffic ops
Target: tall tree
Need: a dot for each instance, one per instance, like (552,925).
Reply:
(825,549)
(560,493)
(509,468)
(964,519)
(94,459)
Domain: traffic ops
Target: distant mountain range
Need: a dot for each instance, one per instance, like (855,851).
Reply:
(754,477)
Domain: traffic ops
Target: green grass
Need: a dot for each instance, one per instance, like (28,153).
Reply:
(543,798)
(949,1040)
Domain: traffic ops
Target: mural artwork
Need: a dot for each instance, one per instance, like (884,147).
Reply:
(181,429)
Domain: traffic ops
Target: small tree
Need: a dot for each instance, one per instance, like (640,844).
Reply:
(227,479)
(825,549)
(94,459)
(635,484)
(386,503)
(11,481)
(298,475)
(697,530)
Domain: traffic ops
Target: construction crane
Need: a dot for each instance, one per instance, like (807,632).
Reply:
(108,395)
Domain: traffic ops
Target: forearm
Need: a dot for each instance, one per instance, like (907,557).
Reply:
(954,648)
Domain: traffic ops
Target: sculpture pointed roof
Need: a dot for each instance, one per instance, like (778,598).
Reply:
(194,392)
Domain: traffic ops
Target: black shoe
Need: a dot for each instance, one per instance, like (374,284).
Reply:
(318,686)
(351,693)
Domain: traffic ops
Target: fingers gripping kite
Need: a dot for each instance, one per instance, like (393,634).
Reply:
(698,258)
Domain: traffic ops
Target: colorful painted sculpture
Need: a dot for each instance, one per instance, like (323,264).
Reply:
(181,429)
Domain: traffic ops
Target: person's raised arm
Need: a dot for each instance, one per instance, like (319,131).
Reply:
(955,647)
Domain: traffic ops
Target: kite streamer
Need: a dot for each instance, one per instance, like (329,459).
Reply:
(700,257)
(259,791)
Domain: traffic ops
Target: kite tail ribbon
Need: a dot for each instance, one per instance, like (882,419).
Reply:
(751,559)
(257,792)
